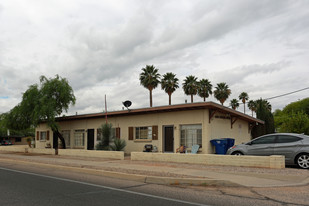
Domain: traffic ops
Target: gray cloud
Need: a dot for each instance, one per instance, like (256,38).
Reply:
(239,74)
(100,47)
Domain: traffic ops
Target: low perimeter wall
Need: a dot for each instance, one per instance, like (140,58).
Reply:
(67,152)
(276,162)
(15,148)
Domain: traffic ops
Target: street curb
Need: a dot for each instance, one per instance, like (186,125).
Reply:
(136,177)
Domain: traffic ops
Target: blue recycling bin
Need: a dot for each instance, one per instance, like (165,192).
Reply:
(230,143)
(220,145)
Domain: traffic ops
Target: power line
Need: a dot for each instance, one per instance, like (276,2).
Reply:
(287,93)
(282,95)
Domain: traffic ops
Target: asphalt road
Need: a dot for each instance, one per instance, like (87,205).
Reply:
(27,185)
(24,188)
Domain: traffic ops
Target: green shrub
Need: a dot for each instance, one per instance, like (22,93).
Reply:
(119,145)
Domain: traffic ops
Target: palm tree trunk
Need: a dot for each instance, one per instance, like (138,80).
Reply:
(204,99)
(150,97)
(191,98)
(169,99)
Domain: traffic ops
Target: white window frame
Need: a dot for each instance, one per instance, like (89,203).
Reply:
(79,138)
(191,135)
(143,133)
(43,136)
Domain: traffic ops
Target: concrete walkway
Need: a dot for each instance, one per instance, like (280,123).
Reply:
(167,173)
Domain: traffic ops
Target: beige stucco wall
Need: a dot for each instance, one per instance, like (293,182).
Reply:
(217,128)
(221,128)
(276,162)
(43,128)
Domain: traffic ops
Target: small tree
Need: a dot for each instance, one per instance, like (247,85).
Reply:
(119,145)
(106,134)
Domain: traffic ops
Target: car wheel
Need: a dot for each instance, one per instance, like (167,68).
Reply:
(303,161)
(237,153)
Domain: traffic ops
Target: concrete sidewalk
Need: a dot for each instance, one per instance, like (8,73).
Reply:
(167,173)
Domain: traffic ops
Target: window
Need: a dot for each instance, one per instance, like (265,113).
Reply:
(191,135)
(43,136)
(99,134)
(17,139)
(143,133)
(264,140)
(66,136)
(287,139)
(79,138)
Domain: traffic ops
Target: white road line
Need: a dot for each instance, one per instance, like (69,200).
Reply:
(105,187)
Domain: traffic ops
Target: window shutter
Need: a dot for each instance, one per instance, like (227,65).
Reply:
(154,132)
(37,135)
(47,135)
(118,132)
(131,133)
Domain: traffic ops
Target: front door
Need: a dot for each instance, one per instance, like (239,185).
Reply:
(168,138)
(90,139)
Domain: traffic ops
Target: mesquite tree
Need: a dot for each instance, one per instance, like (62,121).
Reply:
(43,103)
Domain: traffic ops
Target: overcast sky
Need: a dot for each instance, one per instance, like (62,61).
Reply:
(258,47)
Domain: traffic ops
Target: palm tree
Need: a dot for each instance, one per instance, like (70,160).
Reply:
(234,104)
(252,106)
(169,84)
(150,79)
(204,88)
(222,92)
(190,86)
(244,97)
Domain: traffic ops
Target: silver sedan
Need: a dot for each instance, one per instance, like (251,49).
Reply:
(295,148)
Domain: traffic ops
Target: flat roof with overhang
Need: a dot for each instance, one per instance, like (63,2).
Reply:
(211,106)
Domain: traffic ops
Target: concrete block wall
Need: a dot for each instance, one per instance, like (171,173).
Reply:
(92,153)
(15,148)
(276,162)
(66,152)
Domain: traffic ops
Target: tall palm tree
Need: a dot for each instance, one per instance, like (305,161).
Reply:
(222,92)
(234,104)
(190,86)
(149,78)
(244,97)
(252,106)
(204,88)
(169,83)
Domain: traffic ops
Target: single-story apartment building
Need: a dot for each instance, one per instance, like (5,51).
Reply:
(166,127)
(16,139)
